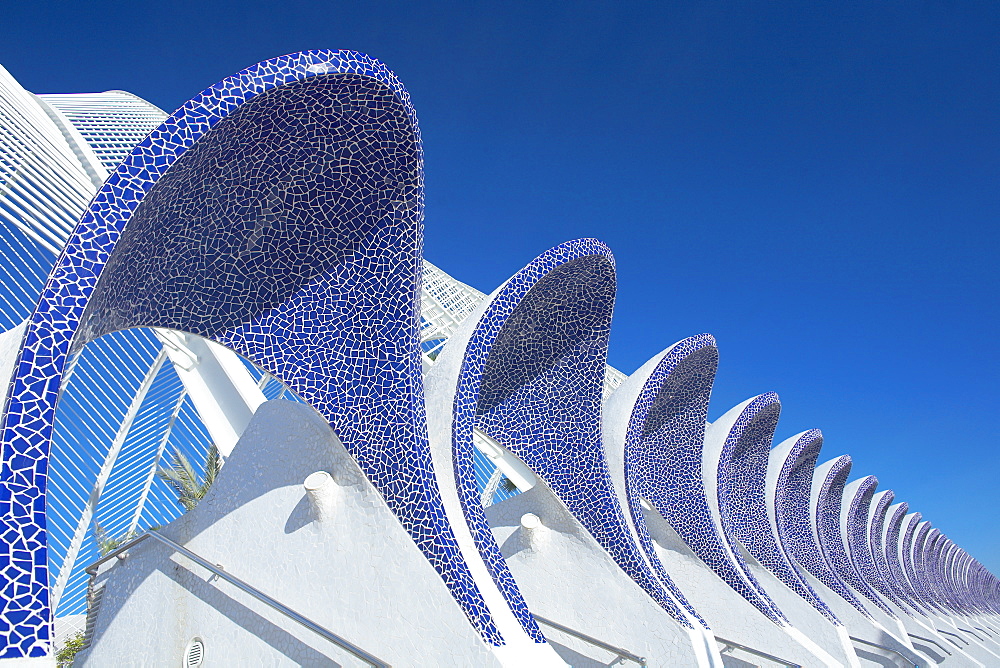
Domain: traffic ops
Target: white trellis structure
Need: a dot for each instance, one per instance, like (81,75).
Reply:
(133,398)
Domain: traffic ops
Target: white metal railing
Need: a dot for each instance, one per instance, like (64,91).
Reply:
(219,571)
(622,654)
(885,649)
(730,645)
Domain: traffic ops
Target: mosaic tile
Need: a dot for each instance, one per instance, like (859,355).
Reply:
(832,478)
(532,378)
(279,213)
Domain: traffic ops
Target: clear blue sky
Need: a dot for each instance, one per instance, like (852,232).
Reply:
(816,184)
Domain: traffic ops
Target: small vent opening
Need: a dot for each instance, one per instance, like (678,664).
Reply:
(194,655)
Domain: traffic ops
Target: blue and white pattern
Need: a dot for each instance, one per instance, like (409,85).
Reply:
(856,507)
(532,378)
(279,213)
(881,577)
(796,519)
(893,538)
(731,443)
(787,501)
(917,547)
(667,400)
(832,477)
(910,524)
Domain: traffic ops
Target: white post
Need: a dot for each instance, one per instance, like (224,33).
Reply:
(220,387)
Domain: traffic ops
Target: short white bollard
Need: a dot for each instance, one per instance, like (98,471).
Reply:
(533,532)
(322,492)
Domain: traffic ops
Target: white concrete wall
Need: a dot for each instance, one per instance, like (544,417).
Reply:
(729,614)
(567,577)
(356,572)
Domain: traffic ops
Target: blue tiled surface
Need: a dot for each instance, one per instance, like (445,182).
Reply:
(831,540)
(537,362)
(794,520)
(665,430)
(279,213)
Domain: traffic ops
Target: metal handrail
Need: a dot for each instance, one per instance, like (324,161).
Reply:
(219,571)
(622,653)
(756,652)
(932,641)
(887,649)
(949,633)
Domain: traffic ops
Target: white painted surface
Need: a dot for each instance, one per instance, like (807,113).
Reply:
(569,578)
(729,614)
(440,385)
(357,573)
(34,662)
(221,388)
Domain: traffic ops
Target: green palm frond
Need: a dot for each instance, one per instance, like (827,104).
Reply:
(107,544)
(507,485)
(191,487)
(213,464)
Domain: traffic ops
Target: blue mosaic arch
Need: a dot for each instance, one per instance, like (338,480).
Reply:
(796,461)
(948,583)
(532,378)
(769,470)
(893,556)
(917,552)
(935,564)
(927,564)
(832,478)
(880,577)
(656,413)
(744,429)
(279,213)
(910,525)
(856,509)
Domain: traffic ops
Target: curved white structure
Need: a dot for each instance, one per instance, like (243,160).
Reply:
(465,465)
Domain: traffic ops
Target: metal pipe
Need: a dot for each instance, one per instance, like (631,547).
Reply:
(887,649)
(949,633)
(249,589)
(932,641)
(622,653)
(757,652)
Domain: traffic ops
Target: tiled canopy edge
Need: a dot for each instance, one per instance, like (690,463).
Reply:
(855,511)
(748,426)
(787,527)
(918,554)
(793,512)
(303,255)
(660,407)
(931,568)
(894,532)
(532,379)
(454,391)
(950,585)
(828,493)
(881,577)
(910,524)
